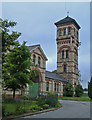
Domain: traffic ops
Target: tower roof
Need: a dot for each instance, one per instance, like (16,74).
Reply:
(67,20)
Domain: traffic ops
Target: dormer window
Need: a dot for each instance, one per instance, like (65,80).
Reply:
(39,61)
(60,32)
(64,31)
(34,59)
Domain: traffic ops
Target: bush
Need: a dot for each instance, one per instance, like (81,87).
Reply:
(68,91)
(20,109)
(58,105)
(41,101)
(52,99)
(35,108)
(90,88)
(78,91)
(45,106)
(26,97)
(7,100)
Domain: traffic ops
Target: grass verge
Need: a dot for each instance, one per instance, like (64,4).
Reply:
(84,97)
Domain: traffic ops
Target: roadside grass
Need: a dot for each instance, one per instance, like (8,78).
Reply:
(84,97)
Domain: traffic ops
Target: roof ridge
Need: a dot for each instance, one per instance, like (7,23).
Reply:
(34,45)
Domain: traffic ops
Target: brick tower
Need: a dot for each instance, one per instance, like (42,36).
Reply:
(67,49)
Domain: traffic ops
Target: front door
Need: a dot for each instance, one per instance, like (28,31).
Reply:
(33,90)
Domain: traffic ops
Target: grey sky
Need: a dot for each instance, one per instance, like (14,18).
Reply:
(36,23)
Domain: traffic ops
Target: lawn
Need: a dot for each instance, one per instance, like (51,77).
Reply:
(84,97)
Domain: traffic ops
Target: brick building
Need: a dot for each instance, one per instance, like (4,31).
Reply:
(67,61)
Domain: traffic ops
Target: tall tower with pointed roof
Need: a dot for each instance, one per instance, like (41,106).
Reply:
(67,49)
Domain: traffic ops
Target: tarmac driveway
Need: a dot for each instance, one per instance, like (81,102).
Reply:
(70,109)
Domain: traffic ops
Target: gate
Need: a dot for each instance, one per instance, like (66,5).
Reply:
(33,90)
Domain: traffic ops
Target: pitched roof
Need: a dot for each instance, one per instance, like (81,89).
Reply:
(33,47)
(67,20)
(54,76)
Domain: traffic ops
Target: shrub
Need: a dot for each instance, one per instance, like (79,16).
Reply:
(41,101)
(90,88)
(7,100)
(52,99)
(68,91)
(45,106)
(26,97)
(78,91)
(58,105)
(20,109)
(34,108)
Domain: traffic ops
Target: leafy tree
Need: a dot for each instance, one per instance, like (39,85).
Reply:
(68,90)
(8,38)
(54,71)
(78,91)
(90,88)
(17,68)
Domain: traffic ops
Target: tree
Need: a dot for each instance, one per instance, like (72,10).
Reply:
(54,71)
(17,68)
(78,90)
(90,88)
(7,38)
(68,90)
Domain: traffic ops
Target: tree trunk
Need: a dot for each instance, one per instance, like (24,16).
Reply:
(14,94)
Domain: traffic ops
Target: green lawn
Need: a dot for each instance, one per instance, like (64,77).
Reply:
(82,98)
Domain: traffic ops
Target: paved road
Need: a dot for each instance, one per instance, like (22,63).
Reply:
(70,109)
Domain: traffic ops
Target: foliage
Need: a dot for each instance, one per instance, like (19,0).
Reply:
(45,106)
(41,101)
(85,89)
(54,71)
(78,91)
(68,91)
(90,89)
(52,99)
(34,108)
(17,68)
(20,108)
(26,97)
(58,105)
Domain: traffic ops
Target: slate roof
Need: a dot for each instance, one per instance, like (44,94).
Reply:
(54,76)
(33,47)
(67,20)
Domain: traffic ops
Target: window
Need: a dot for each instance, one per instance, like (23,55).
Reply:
(38,60)
(55,87)
(64,68)
(60,32)
(47,86)
(63,54)
(69,31)
(34,59)
(65,31)
(66,53)
(63,88)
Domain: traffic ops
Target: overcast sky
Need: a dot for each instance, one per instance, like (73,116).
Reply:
(36,23)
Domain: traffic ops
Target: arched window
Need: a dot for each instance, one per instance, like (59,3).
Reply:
(64,68)
(60,32)
(47,86)
(63,54)
(64,31)
(69,31)
(38,60)
(66,53)
(34,59)
(55,86)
